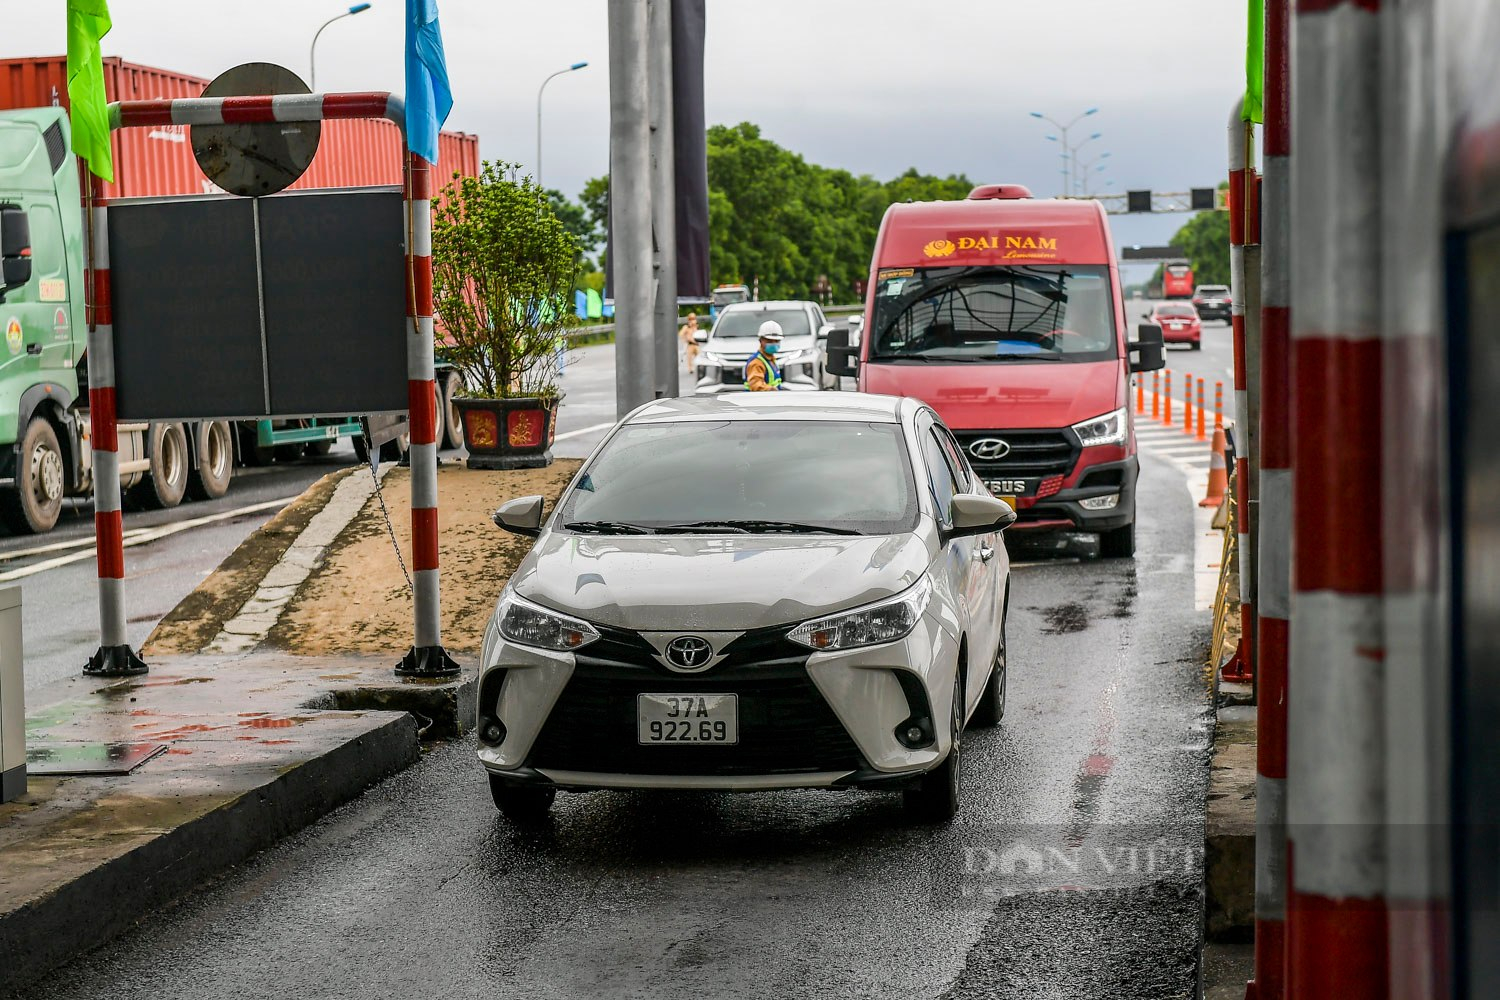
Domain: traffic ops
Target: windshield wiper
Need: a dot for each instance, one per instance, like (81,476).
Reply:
(1029,356)
(758,527)
(608,528)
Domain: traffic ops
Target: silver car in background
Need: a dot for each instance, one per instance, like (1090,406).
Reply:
(747,592)
(733,341)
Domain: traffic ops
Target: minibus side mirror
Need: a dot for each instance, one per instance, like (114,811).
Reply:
(842,356)
(1148,351)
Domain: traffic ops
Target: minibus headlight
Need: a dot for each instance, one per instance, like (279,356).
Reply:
(1108,429)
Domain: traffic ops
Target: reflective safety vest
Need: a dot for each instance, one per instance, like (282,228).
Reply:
(762,364)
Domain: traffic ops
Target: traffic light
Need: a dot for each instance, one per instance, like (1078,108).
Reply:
(1204,199)
(1138,201)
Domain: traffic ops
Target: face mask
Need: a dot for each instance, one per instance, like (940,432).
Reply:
(772,348)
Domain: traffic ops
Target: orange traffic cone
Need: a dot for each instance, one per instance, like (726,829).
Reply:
(1218,473)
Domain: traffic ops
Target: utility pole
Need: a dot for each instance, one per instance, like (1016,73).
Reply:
(663,194)
(630,204)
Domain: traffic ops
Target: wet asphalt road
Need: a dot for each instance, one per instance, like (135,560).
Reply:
(1073,872)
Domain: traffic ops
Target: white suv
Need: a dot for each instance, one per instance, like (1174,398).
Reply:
(732,342)
(749,592)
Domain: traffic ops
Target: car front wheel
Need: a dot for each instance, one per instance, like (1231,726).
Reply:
(521,804)
(935,800)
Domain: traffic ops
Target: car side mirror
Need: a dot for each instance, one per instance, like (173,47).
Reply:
(700,336)
(1148,349)
(523,515)
(15,248)
(976,514)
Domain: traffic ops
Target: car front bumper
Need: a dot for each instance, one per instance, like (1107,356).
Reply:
(846,708)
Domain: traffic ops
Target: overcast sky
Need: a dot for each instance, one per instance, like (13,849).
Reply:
(873,86)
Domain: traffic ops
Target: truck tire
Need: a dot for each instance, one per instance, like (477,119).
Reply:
(210,476)
(251,450)
(1119,543)
(453,428)
(166,483)
(33,505)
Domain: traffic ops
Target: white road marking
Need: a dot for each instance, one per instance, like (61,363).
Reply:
(583,430)
(134,537)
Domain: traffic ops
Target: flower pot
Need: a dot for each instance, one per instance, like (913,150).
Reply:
(508,433)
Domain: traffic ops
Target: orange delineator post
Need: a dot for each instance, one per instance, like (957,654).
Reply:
(1218,405)
(1156,395)
(1140,395)
(1202,428)
(1166,416)
(1187,404)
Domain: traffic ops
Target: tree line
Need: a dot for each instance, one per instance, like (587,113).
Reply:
(774,218)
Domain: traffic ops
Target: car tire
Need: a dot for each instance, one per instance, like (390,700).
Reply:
(936,799)
(439,414)
(1197,345)
(210,476)
(521,804)
(166,484)
(991,707)
(33,505)
(1119,543)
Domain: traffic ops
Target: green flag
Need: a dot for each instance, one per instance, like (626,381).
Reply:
(1255,64)
(88,21)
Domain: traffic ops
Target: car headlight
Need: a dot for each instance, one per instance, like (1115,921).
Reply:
(884,621)
(793,357)
(529,625)
(1108,429)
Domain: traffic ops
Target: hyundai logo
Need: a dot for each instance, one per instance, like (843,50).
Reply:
(689,653)
(989,449)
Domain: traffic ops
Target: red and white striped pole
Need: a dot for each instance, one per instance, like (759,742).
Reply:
(1273,566)
(114,657)
(1243,665)
(1337,925)
(427,656)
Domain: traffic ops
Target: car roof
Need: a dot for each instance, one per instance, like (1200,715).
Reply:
(771,304)
(832,406)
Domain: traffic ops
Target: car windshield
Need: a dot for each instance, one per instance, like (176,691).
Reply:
(1176,310)
(1040,312)
(746,323)
(756,471)
(1213,290)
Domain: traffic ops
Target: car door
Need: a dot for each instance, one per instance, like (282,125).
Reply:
(958,567)
(988,554)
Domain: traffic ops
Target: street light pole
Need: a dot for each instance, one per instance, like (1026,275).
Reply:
(312,50)
(1067,150)
(570,69)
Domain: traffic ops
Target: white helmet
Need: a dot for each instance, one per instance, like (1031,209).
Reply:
(770,330)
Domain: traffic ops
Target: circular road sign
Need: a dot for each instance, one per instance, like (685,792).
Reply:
(258,158)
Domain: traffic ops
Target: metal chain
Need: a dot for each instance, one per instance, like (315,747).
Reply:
(390,529)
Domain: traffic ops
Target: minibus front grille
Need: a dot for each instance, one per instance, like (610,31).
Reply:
(1027,453)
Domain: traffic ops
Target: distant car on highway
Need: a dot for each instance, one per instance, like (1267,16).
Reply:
(1179,323)
(750,592)
(733,341)
(1213,302)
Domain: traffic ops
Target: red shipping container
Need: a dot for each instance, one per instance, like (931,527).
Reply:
(159,161)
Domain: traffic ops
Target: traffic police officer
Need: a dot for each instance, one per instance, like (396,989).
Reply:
(761,373)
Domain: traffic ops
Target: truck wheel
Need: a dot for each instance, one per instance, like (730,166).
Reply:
(33,505)
(453,428)
(252,452)
(318,449)
(166,483)
(209,480)
(440,412)
(1119,543)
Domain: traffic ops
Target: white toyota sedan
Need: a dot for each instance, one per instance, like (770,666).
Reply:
(747,592)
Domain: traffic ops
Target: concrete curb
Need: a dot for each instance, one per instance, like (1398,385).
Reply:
(1229,831)
(86,912)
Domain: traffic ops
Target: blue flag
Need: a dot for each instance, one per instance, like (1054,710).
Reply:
(428,98)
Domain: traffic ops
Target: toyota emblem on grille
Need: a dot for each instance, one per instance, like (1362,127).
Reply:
(989,449)
(689,652)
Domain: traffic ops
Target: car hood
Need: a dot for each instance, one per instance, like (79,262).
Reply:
(715,582)
(1027,394)
(740,348)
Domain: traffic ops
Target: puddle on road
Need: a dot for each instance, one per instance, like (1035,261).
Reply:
(1065,618)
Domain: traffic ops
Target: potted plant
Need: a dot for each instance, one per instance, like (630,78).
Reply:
(503,268)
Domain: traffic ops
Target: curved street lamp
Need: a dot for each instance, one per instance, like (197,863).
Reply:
(312,52)
(570,69)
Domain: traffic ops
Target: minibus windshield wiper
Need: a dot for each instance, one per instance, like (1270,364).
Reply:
(608,528)
(758,526)
(1028,356)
